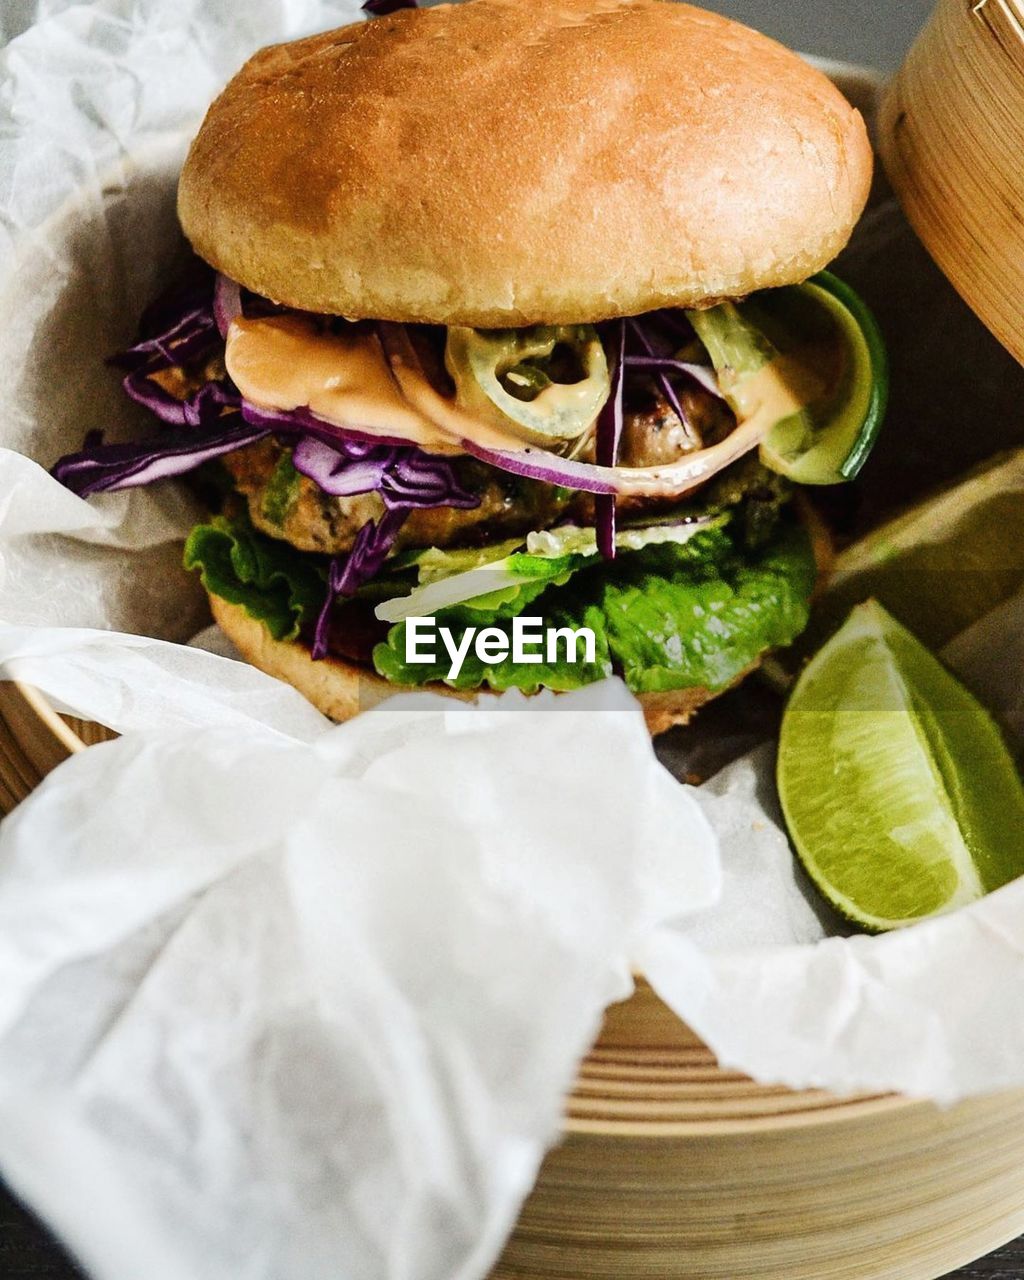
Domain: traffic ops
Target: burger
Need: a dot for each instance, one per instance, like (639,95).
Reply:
(511,318)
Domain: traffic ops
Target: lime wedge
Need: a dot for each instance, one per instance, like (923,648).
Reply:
(900,793)
(944,563)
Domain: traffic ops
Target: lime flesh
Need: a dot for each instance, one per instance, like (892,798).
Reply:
(901,796)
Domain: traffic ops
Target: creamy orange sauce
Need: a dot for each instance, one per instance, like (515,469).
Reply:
(285,362)
(778,391)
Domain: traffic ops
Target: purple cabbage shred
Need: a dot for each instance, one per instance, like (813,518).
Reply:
(667,389)
(347,574)
(101,468)
(405,477)
(704,375)
(202,409)
(303,422)
(178,328)
(227,303)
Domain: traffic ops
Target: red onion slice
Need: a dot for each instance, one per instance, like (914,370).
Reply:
(669,481)
(227,303)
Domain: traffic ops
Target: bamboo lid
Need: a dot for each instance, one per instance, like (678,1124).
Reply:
(951,135)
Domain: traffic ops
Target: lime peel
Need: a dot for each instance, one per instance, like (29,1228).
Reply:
(942,564)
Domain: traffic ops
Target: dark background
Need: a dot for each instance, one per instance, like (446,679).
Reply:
(873,32)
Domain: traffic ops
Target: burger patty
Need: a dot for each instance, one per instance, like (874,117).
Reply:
(286,505)
(654,436)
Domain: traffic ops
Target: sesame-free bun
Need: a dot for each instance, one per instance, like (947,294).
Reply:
(341,689)
(511,162)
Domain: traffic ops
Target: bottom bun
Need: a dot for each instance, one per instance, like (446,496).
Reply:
(341,689)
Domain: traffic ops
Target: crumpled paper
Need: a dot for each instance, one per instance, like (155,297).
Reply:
(308,1008)
(281,999)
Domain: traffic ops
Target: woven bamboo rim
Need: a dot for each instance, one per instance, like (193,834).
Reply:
(952,138)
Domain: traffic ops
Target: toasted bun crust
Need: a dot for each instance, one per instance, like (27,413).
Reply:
(342,689)
(510,162)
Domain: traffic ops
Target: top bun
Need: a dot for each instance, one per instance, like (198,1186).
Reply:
(512,162)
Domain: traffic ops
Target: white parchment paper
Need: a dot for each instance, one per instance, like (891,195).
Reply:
(283,1000)
(308,1009)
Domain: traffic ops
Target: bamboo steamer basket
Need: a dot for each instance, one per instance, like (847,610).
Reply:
(670,1166)
(952,139)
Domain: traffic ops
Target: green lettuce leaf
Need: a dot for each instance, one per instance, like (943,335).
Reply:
(670,626)
(561,675)
(667,617)
(281,587)
(506,583)
(433,563)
